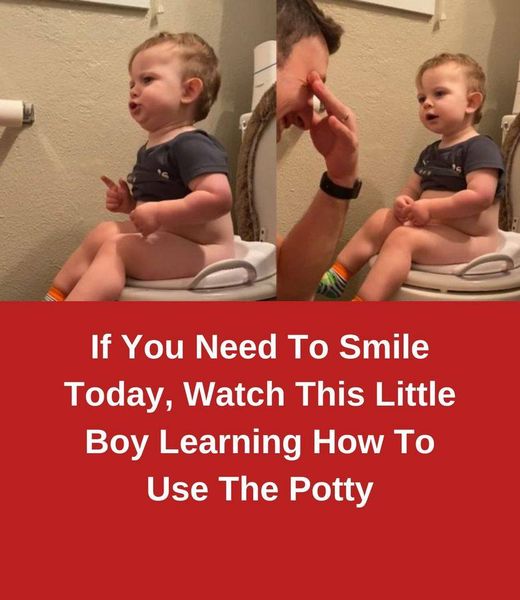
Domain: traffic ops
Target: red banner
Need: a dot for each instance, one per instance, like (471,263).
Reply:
(263,450)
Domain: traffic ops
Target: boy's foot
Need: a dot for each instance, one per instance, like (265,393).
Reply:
(54,295)
(333,282)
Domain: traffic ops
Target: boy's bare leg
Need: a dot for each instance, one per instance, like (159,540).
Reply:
(368,239)
(366,242)
(80,260)
(436,244)
(161,255)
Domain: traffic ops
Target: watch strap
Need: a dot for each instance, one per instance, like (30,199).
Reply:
(338,191)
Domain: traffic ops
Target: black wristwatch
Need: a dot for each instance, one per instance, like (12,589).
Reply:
(338,191)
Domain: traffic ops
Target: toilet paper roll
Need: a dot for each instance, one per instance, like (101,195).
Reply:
(11,113)
(516,105)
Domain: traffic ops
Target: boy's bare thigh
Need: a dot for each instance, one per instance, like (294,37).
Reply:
(442,245)
(164,255)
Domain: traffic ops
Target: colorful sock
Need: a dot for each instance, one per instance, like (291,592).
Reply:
(358,299)
(54,295)
(334,281)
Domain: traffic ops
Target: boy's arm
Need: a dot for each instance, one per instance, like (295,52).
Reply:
(406,198)
(412,188)
(209,199)
(479,195)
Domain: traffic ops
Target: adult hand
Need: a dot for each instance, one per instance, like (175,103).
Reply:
(419,214)
(402,206)
(335,134)
(146,218)
(118,196)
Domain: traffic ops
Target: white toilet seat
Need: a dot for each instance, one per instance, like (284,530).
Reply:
(251,275)
(494,276)
(498,270)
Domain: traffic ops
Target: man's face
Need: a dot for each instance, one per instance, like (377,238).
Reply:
(293,94)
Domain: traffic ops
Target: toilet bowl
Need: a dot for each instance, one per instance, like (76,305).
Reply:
(494,276)
(251,274)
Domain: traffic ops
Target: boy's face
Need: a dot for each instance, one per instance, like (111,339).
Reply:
(293,93)
(444,99)
(156,87)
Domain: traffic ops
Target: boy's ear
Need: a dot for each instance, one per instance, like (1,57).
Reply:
(191,89)
(475,100)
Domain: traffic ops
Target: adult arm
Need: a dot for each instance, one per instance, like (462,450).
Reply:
(308,249)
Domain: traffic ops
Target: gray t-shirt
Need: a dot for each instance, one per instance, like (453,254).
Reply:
(164,171)
(445,169)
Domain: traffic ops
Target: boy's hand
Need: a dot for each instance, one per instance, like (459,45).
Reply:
(118,197)
(146,218)
(419,214)
(402,206)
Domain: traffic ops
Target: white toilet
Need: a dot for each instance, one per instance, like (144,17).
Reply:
(493,276)
(251,274)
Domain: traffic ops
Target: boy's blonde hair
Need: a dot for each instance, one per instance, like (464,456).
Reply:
(475,76)
(199,60)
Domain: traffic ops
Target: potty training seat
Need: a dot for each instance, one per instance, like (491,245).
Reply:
(251,275)
(493,276)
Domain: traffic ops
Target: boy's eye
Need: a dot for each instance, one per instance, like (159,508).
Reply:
(147,79)
(421,99)
(439,93)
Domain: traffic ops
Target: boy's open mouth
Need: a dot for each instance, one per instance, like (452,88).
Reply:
(132,105)
(431,117)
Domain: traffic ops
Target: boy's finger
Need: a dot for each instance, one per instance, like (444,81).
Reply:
(123,185)
(108,182)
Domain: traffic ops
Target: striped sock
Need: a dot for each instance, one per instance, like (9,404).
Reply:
(54,295)
(334,281)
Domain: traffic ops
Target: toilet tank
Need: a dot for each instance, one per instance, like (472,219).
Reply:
(264,70)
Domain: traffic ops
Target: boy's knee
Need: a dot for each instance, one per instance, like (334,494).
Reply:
(119,244)
(402,237)
(378,220)
(101,232)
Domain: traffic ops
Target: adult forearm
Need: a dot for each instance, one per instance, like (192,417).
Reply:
(309,248)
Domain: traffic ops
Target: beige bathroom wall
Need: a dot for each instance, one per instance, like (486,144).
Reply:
(70,60)
(374,73)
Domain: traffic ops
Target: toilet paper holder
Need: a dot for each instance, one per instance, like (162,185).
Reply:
(16,113)
(28,113)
